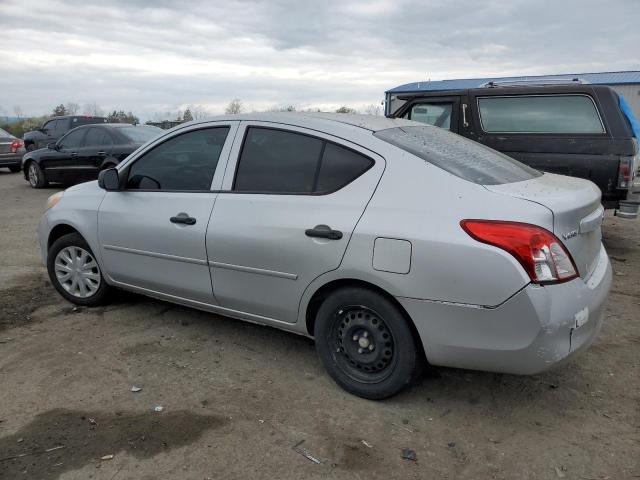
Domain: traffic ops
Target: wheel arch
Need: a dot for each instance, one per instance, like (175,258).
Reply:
(327,288)
(59,231)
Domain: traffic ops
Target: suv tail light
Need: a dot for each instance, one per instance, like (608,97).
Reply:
(540,252)
(626,172)
(15,145)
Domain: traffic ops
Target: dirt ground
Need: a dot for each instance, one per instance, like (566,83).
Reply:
(238,397)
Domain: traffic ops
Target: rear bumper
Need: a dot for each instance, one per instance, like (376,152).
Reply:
(11,159)
(538,328)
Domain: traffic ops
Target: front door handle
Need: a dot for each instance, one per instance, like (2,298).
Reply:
(102,154)
(183,218)
(323,231)
(73,154)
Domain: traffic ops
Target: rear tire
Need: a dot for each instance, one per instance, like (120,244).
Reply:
(36,176)
(15,168)
(75,273)
(366,344)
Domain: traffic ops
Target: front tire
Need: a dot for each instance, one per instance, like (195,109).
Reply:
(365,343)
(36,176)
(75,273)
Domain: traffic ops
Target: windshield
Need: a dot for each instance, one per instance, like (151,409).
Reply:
(140,134)
(457,155)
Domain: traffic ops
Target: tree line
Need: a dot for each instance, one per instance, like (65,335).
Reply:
(22,124)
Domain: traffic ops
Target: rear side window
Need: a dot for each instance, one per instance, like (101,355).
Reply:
(278,161)
(457,155)
(438,114)
(540,114)
(97,137)
(185,162)
(340,166)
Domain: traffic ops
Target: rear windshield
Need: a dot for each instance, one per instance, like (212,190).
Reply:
(140,134)
(4,133)
(461,157)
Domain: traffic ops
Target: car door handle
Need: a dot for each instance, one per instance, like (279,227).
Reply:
(183,218)
(323,231)
(73,154)
(102,154)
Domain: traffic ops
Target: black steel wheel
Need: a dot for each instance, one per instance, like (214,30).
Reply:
(365,343)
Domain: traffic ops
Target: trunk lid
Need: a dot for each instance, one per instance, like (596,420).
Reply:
(577,212)
(5,144)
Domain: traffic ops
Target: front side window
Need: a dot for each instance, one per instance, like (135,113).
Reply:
(437,114)
(60,127)
(73,139)
(278,161)
(97,137)
(186,162)
(457,155)
(50,127)
(539,114)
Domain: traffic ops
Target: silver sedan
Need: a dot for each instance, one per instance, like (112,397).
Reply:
(392,243)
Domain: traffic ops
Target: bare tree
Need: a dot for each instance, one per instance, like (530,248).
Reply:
(198,112)
(18,111)
(72,108)
(235,106)
(93,109)
(373,109)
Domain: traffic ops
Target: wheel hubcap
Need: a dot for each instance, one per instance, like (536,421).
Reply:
(363,344)
(33,175)
(77,272)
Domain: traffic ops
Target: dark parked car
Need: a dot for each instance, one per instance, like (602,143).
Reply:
(55,128)
(574,129)
(11,151)
(83,152)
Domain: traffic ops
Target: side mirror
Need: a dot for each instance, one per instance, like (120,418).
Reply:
(109,180)
(51,146)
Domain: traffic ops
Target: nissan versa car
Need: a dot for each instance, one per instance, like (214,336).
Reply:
(391,242)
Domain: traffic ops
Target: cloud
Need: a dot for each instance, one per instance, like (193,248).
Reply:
(151,56)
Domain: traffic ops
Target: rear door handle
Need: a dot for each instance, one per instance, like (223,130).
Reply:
(73,154)
(183,218)
(102,154)
(323,231)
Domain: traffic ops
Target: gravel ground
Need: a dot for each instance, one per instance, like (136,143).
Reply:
(238,397)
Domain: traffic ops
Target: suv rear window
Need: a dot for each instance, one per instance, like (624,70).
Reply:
(463,158)
(539,114)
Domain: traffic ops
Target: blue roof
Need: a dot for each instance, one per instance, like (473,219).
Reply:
(601,78)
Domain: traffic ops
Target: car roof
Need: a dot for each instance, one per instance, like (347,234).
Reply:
(372,123)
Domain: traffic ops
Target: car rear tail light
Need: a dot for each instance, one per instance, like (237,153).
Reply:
(15,145)
(540,252)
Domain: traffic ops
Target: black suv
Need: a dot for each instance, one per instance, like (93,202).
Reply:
(572,129)
(55,128)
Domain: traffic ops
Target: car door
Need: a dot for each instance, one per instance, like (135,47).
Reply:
(290,201)
(97,147)
(61,162)
(152,232)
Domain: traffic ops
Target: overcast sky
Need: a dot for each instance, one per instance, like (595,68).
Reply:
(157,56)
